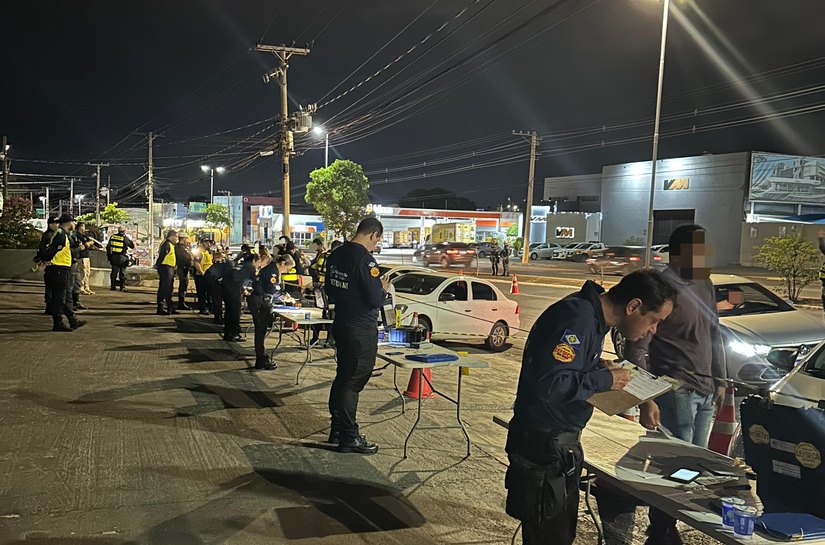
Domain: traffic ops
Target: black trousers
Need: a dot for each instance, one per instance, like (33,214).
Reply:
(167,279)
(183,282)
(216,292)
(262,318)
(59,282)
(203,292)
(542,484)
(232,317)
(47,295)
(494,266)
(117,278)
(356,349)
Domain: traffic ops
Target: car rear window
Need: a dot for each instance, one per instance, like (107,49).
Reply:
(483,292)
(417,284)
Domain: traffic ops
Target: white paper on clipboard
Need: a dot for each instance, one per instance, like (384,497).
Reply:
(645,386)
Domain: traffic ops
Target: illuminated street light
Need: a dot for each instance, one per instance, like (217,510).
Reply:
(212,171)
(318,130)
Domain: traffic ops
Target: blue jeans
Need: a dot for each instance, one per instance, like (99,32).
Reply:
(687,415)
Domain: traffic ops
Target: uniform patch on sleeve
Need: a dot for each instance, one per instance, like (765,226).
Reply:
(571,338)
(374,272)
(273,279)
(564,353)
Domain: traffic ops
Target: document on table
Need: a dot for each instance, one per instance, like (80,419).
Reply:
(642,387)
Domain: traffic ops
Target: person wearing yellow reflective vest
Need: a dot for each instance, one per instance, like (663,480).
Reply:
(58,277)
(202,261)
(165,265)
(116,249)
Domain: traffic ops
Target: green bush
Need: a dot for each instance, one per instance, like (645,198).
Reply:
(15,230)
(794,259)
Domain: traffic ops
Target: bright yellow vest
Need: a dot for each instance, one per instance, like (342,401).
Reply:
(117,243)
(206,260)
(321,266)
(63,258)
(170,257)
(290,276)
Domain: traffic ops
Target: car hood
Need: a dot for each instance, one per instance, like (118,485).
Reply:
(789,328)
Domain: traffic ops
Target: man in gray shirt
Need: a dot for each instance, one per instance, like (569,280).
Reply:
(688,347)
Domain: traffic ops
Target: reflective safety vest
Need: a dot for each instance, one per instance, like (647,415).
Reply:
(321,267)
(291,277)
(117,243)
(206,260)
(169,259)
(63,258)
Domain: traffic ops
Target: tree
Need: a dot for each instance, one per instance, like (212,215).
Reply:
(435,198)
(112,214)
(217,215)
(512,231)
(15,229)
(339,193)
(794,259)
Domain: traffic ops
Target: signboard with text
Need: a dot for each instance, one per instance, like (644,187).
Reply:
(197,207)
(787,178)
(565,232)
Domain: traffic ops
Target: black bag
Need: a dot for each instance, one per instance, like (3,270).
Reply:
(536,492)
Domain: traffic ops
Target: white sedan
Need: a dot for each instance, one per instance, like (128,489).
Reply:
(543,250)
(454,305)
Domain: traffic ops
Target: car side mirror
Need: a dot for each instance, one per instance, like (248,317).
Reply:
(784,358)
(446,297)
(790,303)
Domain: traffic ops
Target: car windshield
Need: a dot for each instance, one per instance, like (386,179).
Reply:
(417,284)
(572,245)
(741,299)
(816,364)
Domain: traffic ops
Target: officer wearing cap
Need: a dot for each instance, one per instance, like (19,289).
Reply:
(354,284)
(165,265)
(561,368)
(185,261)
(268,290)
(116,249)
(59,280)
(45,239)
(237,283)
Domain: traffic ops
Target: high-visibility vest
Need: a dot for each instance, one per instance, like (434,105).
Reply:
(291,277)
(321,267)
(63,258)
(169,259)
(206,260)
(117,243)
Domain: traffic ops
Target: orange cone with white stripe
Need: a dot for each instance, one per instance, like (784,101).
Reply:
(725,426)
(514,288)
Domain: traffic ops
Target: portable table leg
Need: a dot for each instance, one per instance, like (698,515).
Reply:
(307,358)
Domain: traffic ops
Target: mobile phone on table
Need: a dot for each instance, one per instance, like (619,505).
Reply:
(684,475)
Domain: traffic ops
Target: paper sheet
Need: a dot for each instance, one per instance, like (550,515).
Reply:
(645,386)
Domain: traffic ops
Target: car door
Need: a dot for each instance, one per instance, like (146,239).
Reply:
(455,313)
(486,307)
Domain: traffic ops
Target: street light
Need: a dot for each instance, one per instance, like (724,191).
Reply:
(212,171)
(45,212)
(665,16)
(79,198)
(318,132)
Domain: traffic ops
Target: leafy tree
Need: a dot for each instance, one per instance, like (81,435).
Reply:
(339,193)
(634,241)
(217,215)
(15,229)
(112,214)
(512,231)
(794,259)
(435,198)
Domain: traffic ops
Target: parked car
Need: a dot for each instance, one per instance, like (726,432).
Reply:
(585,251)
(448,254)
(378,248)
(450,305)
(660,256)
(619,260)
(805,388)
(394,271)
(562,251)
(543,250)
(482,249)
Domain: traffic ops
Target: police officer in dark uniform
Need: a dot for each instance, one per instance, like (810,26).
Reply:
(235,284)
(318,271)
(116,249)
(214,278)
(561,369)
(268,290)
(45,240)
(58,255)
(184,261)
(73,288)
(354,284)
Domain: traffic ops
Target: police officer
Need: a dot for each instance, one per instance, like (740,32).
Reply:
(214,277)
(73,287)
(84,264)
(116,249)
(58,255)
(165,265)
(236,283)
(318,270)
(184,262)
(202,262)
(354,284)
(561,369)
(45,240)
(267,291)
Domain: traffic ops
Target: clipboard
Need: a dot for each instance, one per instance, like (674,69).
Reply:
(643,386)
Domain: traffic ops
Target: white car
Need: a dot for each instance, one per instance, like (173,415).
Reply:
(543,250)
(563,251)
(394,271)
(660,256)
(585,251)
(454,305)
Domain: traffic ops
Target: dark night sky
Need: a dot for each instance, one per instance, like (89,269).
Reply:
(79,77)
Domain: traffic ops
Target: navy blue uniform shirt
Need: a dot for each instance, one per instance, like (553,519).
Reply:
(269,281)
(561,365)
(353,283)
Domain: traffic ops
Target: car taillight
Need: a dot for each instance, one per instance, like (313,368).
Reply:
(657,258)
(634,258)
(452,251)
(471,251)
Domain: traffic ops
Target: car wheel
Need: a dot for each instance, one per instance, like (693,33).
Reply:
(482,255)
(534,255)
(426,324)
(498,337)
(444,262)
(618,343)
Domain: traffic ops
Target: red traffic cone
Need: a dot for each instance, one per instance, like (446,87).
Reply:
(725,426)
(415,383)
(514,288)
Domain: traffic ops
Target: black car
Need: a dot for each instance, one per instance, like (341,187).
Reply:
(483,249)
(448,254)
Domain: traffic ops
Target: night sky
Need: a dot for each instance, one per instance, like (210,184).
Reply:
(80,78)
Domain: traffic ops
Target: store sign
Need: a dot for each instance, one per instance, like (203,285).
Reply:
(787,178)
(378,209)
(197,207)
(565,232)
(538,219)
(677,184)
(265,211)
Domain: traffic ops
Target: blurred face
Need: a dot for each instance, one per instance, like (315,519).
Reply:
(173,238)
(283,267)
(635,325)
(81,228)
(736,297)
(692,259)
(68,226)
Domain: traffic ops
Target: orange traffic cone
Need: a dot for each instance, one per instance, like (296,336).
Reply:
(415,383)
(514,288)
(725,426)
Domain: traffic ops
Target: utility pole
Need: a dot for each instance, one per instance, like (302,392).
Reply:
(108,188)
(71,195)
(97,191)
(5,150)
(283,53)
(46,205)
(528,209)
(150,192)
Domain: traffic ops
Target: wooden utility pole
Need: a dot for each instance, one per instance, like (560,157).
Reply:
(150,193)
(283,53)
(97,191)
(528,209)
(5,150)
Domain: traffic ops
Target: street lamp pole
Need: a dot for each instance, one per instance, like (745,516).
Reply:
(211,172)
(326,149)
(665,16)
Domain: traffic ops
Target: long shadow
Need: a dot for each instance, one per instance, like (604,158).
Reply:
(70,541)
(472,348)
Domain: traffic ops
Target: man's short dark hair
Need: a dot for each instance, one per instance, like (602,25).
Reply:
(647,285)
(80,224)
(684,234)
(369,226)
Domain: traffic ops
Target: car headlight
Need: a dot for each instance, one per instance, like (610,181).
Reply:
(749,350)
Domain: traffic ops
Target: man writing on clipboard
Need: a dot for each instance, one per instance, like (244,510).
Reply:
(561,369)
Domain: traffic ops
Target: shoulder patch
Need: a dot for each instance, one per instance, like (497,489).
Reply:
(374,272)
(564,353)
(571,338)
(371,264)
(273,279)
